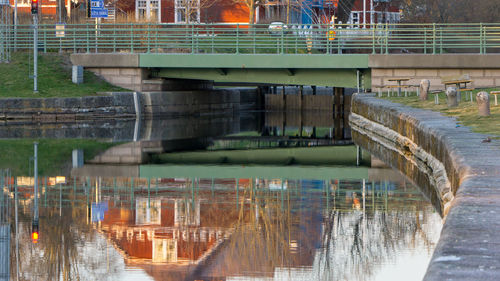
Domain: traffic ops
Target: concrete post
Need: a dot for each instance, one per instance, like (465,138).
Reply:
(425,85)
(77,74)
(451,95)
(483,103)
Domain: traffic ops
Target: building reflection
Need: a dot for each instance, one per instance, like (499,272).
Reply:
(212,229)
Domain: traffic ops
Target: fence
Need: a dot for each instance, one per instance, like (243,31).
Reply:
(260,39)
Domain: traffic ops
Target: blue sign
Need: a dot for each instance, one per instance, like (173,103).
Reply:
(98,211)
(97,9)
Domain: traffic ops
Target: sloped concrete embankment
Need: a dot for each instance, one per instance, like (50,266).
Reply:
(459,172)
(120,105)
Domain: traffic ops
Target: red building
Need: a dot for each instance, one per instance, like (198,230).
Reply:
(373,12)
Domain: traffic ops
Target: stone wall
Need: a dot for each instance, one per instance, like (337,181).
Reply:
(483,69)
(452,165)
(120,105)
(130,78)
(482,78)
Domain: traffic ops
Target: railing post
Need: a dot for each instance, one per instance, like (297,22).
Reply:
(131,38)
(88,43)
(237,38)
(74,39)
(387,38)
(149,37)
(481,39)
(327,39)
(425,40)
(114,39)
(440,40)
(192,39)
(373,39)
(282,38)
(253,35)
(433,38)
(213,40)
(44,40)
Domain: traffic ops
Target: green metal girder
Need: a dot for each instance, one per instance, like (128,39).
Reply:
(242,172)
(320,70)
(319,77)
(257,61)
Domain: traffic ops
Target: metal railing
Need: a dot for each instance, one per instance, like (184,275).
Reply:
(260,39)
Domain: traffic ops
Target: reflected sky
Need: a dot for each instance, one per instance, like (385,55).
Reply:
(211,228)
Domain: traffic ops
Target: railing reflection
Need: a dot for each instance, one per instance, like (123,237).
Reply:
(336,229)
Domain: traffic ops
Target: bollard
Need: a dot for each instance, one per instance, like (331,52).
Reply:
(451,97)
(483,103)
(423,90)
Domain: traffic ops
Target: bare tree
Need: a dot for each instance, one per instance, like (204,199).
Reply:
(191,9)
(444,11)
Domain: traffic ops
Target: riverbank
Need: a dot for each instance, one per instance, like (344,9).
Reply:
(456,169)
(466,112)
(54,78)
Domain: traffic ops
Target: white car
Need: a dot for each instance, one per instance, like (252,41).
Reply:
(276,27)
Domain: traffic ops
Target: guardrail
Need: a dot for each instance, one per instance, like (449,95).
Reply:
(260,39)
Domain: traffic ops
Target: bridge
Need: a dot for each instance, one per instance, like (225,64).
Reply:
(125,54)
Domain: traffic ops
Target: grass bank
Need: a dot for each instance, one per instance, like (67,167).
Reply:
(466,112)
(53,155)
(54,78)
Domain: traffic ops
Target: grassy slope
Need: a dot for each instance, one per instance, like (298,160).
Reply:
(52,154)
(466,112)
(54,78)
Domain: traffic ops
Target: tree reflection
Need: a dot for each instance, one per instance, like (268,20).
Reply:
(263,228)
(63,250)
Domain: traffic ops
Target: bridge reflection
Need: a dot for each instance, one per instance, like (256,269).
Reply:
(216,228)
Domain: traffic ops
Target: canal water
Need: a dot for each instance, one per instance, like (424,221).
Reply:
(190,215)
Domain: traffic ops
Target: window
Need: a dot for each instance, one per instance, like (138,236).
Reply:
(187,8)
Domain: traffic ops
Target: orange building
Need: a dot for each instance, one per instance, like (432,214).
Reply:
(46,7)
(175,11)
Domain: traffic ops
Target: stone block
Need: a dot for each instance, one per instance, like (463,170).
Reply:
(474,72)
(119,151)
(494,73)
(121,80)
(130,71)
(427,73)
(376,82)
(378,72)
(402,72)
(130,160)
(483,83)
(449,72)
(107,159)
(110,71)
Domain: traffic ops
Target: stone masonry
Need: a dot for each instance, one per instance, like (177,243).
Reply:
(484,70)
(469,246)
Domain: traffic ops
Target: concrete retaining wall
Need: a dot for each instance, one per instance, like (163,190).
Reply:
(441,157)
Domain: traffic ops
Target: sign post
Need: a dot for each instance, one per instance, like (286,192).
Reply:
(97,11)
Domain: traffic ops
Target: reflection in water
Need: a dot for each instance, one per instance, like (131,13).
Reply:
(222,229)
